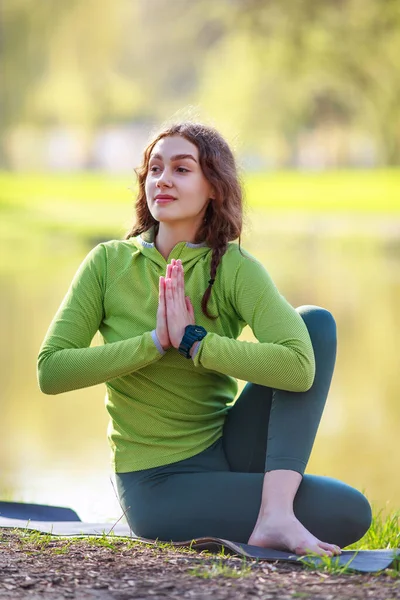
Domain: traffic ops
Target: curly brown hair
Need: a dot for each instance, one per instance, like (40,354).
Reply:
(224,215)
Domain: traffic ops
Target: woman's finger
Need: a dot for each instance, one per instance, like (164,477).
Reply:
(162,299)
(190,309)
(161,293)
(168,289)
(161,325)
(181,287)
(174,279)
(180,281)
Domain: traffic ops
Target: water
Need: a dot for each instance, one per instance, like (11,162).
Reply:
(54,448)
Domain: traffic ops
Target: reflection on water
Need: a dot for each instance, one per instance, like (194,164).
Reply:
(54,448)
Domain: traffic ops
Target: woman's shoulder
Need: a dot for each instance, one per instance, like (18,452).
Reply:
(236,256)
(242,267)
(115,247)
(109,259)
(111,256)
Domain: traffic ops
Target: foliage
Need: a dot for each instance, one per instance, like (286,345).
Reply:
(307,78)
(268,72)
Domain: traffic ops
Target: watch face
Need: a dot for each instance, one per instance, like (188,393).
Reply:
(199,329)
(194,332)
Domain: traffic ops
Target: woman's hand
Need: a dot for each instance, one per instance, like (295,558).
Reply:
(162,327)
(179,309)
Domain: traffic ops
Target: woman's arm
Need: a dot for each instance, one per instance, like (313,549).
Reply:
(283,358)
(66,361)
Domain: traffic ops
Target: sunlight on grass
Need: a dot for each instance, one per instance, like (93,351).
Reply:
(327,564)
(219,569)
(334,191)
(34,539)
(348,191)
(383,533)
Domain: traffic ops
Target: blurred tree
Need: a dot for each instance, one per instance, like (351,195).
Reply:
(265,70)
(85,63)
(337,60)
(171,39)
(81,82)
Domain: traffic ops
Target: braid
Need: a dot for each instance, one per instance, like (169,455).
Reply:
(217,254)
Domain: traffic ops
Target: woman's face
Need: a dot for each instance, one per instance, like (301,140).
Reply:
(176,188)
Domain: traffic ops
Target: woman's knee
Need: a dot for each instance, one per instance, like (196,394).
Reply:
(353,516)
(319,321)
(360,520)
(332,510)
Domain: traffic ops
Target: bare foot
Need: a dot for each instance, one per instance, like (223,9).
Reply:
(287,533)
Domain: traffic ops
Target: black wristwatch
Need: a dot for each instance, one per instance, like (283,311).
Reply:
(193,333)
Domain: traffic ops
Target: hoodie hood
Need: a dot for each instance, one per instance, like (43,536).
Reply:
(187,252)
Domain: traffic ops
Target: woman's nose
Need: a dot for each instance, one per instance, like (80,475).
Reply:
(164,179)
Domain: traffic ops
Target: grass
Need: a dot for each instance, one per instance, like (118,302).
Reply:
(35,539)
(384,533)
(327,564)
(219,568)
(373,190)
(348,191)
(98,203)
(333,566)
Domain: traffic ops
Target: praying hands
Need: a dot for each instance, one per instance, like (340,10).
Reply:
(175,310)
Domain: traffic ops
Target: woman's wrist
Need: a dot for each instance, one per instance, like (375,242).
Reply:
(193,350)
(157,342)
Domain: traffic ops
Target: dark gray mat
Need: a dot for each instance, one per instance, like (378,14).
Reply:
(36,512)
(366,561)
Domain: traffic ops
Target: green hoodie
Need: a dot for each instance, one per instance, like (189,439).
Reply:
(163,407)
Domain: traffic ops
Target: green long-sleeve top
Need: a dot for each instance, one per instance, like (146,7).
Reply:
(162,406)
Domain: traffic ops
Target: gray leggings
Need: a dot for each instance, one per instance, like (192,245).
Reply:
(218,491)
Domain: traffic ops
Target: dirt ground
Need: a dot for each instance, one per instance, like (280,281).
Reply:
(85,570)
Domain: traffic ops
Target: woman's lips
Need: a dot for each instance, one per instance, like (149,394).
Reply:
(164,200)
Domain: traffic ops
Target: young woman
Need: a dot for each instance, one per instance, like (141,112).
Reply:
(170,301)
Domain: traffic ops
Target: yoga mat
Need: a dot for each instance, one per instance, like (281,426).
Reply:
(36,512)
(25,516)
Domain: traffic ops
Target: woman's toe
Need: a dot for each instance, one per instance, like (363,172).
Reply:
(331,548)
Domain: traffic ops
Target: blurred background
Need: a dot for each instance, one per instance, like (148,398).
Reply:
(307,93)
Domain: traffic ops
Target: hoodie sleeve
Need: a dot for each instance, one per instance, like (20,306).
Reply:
(283,358)
(66,361)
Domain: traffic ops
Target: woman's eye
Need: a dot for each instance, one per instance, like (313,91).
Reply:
(154,169)
(182,170)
